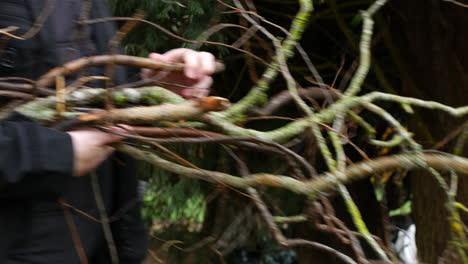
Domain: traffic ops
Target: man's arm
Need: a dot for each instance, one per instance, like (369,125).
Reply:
(34,158)
(29,150)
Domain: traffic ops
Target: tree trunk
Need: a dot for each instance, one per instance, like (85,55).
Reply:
(430,35)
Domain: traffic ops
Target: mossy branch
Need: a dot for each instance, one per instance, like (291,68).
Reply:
(364,48)
(313,187)
(43,109)
(257,93)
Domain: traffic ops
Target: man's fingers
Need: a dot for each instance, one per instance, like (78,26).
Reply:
(107,151)
(176,55)
(90,149)
(192,66)
(146,73)
(197,64)
(204,83)
(186,93)
(199,93)
(160,57)
(198,68)
(109,138)
(201,88)
(207,62)
(97,137)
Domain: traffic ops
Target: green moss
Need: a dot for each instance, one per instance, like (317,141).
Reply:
(120,99)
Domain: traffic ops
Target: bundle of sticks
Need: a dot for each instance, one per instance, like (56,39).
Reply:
(74,105)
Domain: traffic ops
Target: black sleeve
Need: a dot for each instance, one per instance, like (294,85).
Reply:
(33,158)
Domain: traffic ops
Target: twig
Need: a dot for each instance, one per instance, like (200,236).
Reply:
(78,244)
(299,48)
(25,87)
(290,219)
(173,132)
(297,28)
(6,31)
(218,139)
(279,237)
(364,46)
(114,49)
(456,112)
(169,33)
(40,20)
(458,149)
(104,218)
(18,95)
(331,220)
(456,3)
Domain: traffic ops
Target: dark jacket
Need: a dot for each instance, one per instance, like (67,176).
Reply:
(36,162)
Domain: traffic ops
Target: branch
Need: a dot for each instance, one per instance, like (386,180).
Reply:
(76,65)
(169,33)
(258,91)
(456,3)
(364,46)
(457,112)
(24,87)
(198,137)
(173,132)
(323,183)
(285,97)
(189,110)
(285,242)
(43,109)
(377,166)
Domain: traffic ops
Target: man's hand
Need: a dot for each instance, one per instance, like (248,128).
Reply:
(198,68)
(90,148)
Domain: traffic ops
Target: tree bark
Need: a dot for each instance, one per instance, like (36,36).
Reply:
(430,36)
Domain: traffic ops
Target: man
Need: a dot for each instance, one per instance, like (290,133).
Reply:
(48,211)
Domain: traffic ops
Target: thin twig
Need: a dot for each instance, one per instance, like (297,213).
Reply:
(104,218)
(292,242)
(169,33)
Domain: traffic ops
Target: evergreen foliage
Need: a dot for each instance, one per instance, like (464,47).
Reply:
(187,19)
(170,198)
